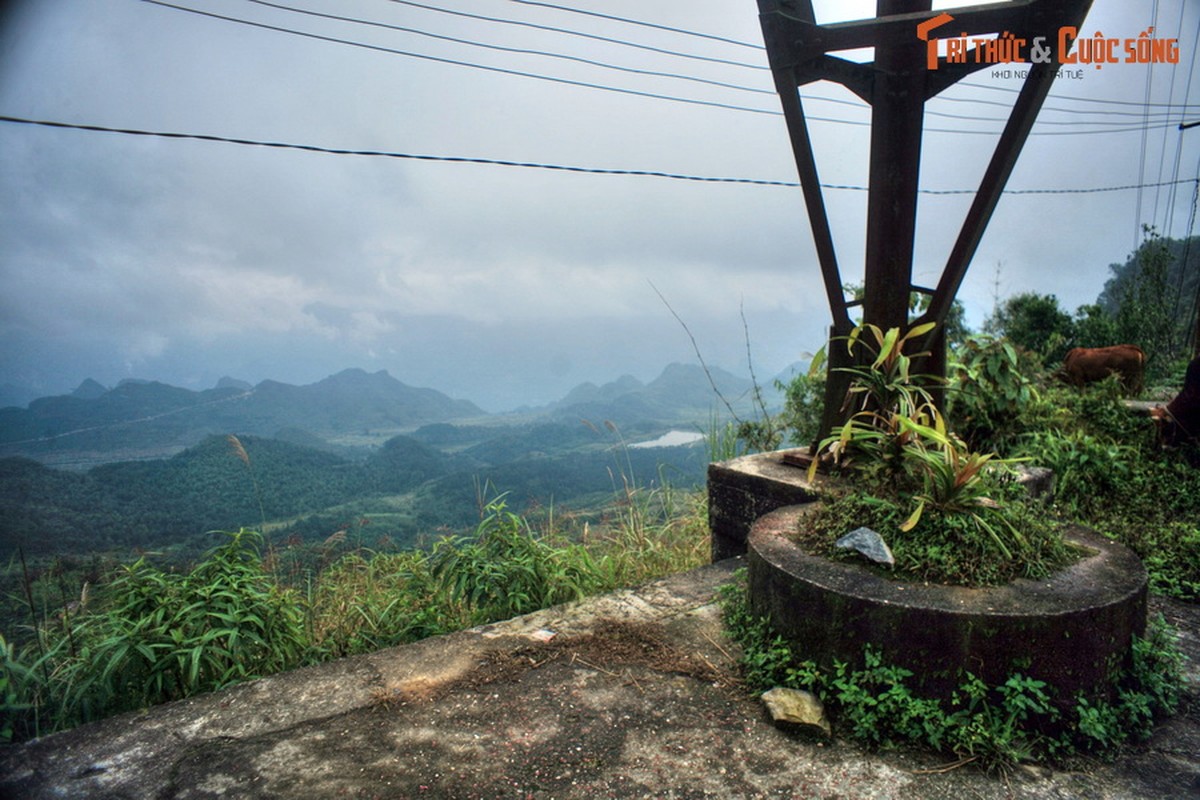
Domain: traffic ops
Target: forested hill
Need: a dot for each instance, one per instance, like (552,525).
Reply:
(208,487)
(150,419)
(407,490)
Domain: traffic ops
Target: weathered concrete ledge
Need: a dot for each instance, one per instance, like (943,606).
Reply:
(1072,629)
(743,489)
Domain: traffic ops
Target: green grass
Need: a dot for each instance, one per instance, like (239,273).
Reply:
(148,634)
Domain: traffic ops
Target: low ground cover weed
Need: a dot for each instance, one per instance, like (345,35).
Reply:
(1019,720)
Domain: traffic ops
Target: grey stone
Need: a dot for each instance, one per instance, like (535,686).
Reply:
(1038,481)
(796,708)
(870,544)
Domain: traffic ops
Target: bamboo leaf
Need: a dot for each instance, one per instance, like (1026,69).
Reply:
(818,361)
(887,347)
(914,517)
(918,331)
(194,672)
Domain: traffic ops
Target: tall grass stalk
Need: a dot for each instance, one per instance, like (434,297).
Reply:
(721,440)
(239,451)
(33,615)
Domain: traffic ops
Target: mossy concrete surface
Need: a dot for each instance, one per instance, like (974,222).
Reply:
(629,695)
(743,489)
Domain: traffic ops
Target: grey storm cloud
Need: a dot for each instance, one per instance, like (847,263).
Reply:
(186,260)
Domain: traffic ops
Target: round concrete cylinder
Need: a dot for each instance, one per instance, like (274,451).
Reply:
(1072,630)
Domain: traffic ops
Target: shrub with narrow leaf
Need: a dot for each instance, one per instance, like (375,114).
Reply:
(160,636)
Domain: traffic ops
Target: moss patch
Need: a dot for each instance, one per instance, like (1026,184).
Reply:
(942,548)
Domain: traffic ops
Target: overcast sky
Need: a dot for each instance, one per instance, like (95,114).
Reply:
(135,257)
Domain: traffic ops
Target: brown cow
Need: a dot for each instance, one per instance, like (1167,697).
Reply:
(1179,422)
(1090,364)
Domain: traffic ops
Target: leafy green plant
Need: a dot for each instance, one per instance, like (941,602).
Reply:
(169,635)
(158,636)
(891,408)
(150,634)
(362,603)
(905,457)
(1169,549)
(990,390)
(19,688)
(1087,469)
(506,570)
(888,385)
(1112,476)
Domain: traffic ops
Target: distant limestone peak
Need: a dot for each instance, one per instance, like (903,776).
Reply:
(233,383)
(89,390)
(589,392)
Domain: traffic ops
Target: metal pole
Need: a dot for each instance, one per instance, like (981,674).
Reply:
(897,105)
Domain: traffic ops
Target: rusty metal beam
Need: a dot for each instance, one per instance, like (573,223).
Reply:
(792,36)
(1004,158)
(897,114)
(810,184)
(858,78)
(896,86)
(814,200)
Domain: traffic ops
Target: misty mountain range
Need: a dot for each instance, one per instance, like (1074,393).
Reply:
(146,419)
(154,466)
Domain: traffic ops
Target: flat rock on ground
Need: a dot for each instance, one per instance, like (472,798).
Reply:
(635,695)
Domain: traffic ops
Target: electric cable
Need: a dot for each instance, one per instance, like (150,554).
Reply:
(516,50)
(673,75)
(1187,93)
(1191,227)
(654,25)
(583,84)
(582,34)
(205,137)
(456,62)
(1162,150)
(1137,214)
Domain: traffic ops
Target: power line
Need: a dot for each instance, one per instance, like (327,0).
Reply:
(584,84)
(673,75)
(581,34)
(759,47)
(1167,114)
(1169,106)
(1149,84)
(654,25)
(1187,93)
(205,137)
(456,62)
(517,50)
(390,154)
(1137,103)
